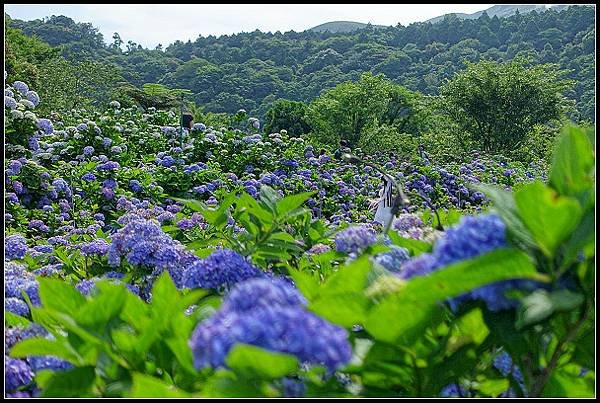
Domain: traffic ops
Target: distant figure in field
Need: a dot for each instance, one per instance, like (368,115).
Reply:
(423,154)
(187,120)
(342,149)
(384,203)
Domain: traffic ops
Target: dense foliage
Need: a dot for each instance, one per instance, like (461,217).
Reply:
(143,260)
(253,70)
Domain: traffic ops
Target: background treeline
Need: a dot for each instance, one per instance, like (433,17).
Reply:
(252,70)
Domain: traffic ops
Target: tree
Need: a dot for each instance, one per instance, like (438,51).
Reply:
(289,115)
(23,54)
(498,104)
(70,84)
(343,112)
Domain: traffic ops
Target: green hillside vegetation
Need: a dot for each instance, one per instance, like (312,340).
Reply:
(341,26)
(252,70)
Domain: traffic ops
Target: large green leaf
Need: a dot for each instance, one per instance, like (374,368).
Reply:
(38,346)
(11,319)
(550,218)
(349,278)
(291,202)
(104,306)
(306,283)
(573,161)
(409,309)
(76,382)
(149,386)
(567,382)
(506,208)
(344,309)
(60,296)
(582,240)
(255,362)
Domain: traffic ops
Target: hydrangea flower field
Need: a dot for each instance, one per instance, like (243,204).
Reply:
(145,260)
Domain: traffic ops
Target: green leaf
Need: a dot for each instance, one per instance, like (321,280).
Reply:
(506,208)
(566,382)
(76,382)
(149,386)
(165,296)
(104,306)
(37,346)
(305,283)
(11,319)
(416,301)
(349,278)
(469,328)
(573,161)
(582,240)
(291,202)
(540,304)
(255,362)
(225,383)
(269,197)
(60,296)
(344,309)
(550,218)
(492,387)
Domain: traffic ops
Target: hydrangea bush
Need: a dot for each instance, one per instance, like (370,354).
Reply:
(142,260)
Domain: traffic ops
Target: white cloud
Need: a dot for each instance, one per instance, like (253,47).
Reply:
(149,25)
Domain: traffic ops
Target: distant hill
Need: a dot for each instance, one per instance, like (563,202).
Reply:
(341,26)
(504,10)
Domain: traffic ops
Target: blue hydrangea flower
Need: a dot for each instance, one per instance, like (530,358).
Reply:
(16,306)
(9,102)
(88,177)
(393,259)
(97,247)
(222,269)
(284,329)
(355,239)
(16,373)
(45,125)
(21,87)
(38,363)
(15,247)
(44,248)
(33,97)
(473,236)
(135,185)
(262,292)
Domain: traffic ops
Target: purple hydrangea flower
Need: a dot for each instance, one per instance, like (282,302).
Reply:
(16,374)
(285,329)
(16,306)
(222,269)
(15,247)
(97,247)
(21,87)
(262,293)
(355,239)
(393,259)
(9,102)
(88,177)
(135,185)
(33,97)
(45,125)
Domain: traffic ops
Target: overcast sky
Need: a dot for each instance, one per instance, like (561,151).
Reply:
(150,25)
